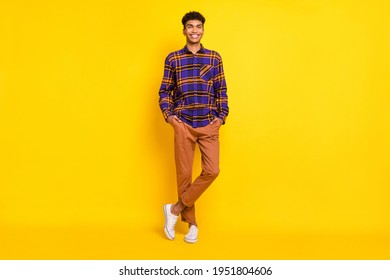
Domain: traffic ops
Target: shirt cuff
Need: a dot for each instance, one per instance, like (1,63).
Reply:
(223,118)
(166,114)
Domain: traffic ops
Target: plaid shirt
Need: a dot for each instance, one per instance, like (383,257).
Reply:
(194,87)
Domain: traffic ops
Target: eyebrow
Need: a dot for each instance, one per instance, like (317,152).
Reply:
(190,25)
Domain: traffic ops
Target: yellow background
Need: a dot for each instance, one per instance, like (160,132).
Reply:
(86,159)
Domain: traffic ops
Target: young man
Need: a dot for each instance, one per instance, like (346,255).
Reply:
(193,101)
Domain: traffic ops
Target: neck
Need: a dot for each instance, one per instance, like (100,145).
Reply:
(194,48)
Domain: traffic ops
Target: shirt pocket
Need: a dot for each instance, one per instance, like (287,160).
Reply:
(206,72)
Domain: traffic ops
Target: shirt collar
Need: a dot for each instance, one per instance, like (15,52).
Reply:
(201,50)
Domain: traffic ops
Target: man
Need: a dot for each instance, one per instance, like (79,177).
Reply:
(193,101)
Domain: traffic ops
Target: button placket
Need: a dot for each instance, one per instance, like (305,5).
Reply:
(194,77)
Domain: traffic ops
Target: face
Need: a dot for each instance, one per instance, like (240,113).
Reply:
(193,30)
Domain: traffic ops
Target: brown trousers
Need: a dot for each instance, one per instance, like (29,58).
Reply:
(186,138)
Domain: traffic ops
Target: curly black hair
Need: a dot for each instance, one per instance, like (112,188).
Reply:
(192,16)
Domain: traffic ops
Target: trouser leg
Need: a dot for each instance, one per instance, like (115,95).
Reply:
(208,141)
(184,155)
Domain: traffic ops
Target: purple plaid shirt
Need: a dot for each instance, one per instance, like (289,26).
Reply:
(194,87)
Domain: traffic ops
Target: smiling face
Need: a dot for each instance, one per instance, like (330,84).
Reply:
(193,30)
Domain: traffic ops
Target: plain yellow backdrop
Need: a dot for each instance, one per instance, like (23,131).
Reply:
(86,159)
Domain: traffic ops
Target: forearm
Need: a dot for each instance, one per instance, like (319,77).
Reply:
(165,102)
(222,105)
(166,90)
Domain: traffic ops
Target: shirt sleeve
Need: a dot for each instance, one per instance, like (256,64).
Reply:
(167,89)
(220,91)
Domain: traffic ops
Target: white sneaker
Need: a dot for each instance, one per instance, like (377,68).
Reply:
(170,222)
(192,235)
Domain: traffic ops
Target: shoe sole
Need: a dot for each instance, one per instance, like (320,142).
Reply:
(165,225)
(192,241)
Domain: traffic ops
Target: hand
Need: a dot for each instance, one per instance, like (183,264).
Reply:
(172,119)
(218,120)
